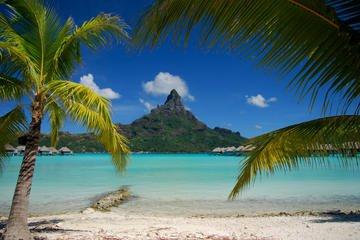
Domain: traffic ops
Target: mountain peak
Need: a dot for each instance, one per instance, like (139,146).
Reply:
(172,128)
(173,97)
(173,101)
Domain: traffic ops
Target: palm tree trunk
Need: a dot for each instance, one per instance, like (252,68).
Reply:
(17,227)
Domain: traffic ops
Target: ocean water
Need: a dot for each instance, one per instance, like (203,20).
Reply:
(180,184)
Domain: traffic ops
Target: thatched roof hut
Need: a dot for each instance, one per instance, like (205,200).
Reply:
(249,148)
(44,150)
(9,148)
(65,150)
(20,149)
(217,150)
(240,148)
(351,145)
(230,149)
(347,146)
(53,150)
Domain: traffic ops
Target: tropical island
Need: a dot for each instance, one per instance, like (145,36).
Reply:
(167,128)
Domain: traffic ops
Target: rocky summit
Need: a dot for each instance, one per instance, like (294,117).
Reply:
(173,102)
(173,128)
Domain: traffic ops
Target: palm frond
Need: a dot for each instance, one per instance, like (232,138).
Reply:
(85,106)
(117,145)
(11,88)
(105,131)
(66,55)
(347,11)
(97,32)
(76,92)
(18,60)
(57,117)
(315,40)
(11,124)
(304,143)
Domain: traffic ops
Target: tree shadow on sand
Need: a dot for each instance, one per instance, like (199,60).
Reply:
(44,226)
(338,216)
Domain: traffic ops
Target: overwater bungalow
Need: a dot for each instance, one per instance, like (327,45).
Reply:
(355,146)
(350,148)
(10,149)
(65,150)
(20,149)
(53,151)
(218,150)
(233,150)
(44,150)
(248,148)
(240,149)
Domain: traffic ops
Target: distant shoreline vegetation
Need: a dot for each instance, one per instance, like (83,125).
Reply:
(87,143)
(169,128)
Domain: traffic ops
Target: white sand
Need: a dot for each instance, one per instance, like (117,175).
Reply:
(115,226)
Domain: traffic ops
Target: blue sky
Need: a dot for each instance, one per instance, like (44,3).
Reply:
(222,89)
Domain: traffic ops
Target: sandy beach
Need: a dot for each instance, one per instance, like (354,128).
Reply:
(92,224)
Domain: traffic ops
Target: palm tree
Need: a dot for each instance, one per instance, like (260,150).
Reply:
(315,44)
(38,55)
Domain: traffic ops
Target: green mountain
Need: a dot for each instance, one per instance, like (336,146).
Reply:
(167,128)
(172,128)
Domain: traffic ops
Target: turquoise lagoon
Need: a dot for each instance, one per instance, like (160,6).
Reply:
(180,184)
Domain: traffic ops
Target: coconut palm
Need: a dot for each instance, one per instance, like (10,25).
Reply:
(38,55)
(315,44)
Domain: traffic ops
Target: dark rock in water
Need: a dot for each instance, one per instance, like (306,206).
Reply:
(112,199)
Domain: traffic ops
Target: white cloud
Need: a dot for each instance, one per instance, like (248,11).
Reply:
(88,80)
(272,99)
(164,82)
(260,101)
(147,105)
(258,126)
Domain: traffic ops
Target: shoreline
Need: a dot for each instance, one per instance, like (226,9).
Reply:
(120,204)
(305,213)
(91,224)
(122,201)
